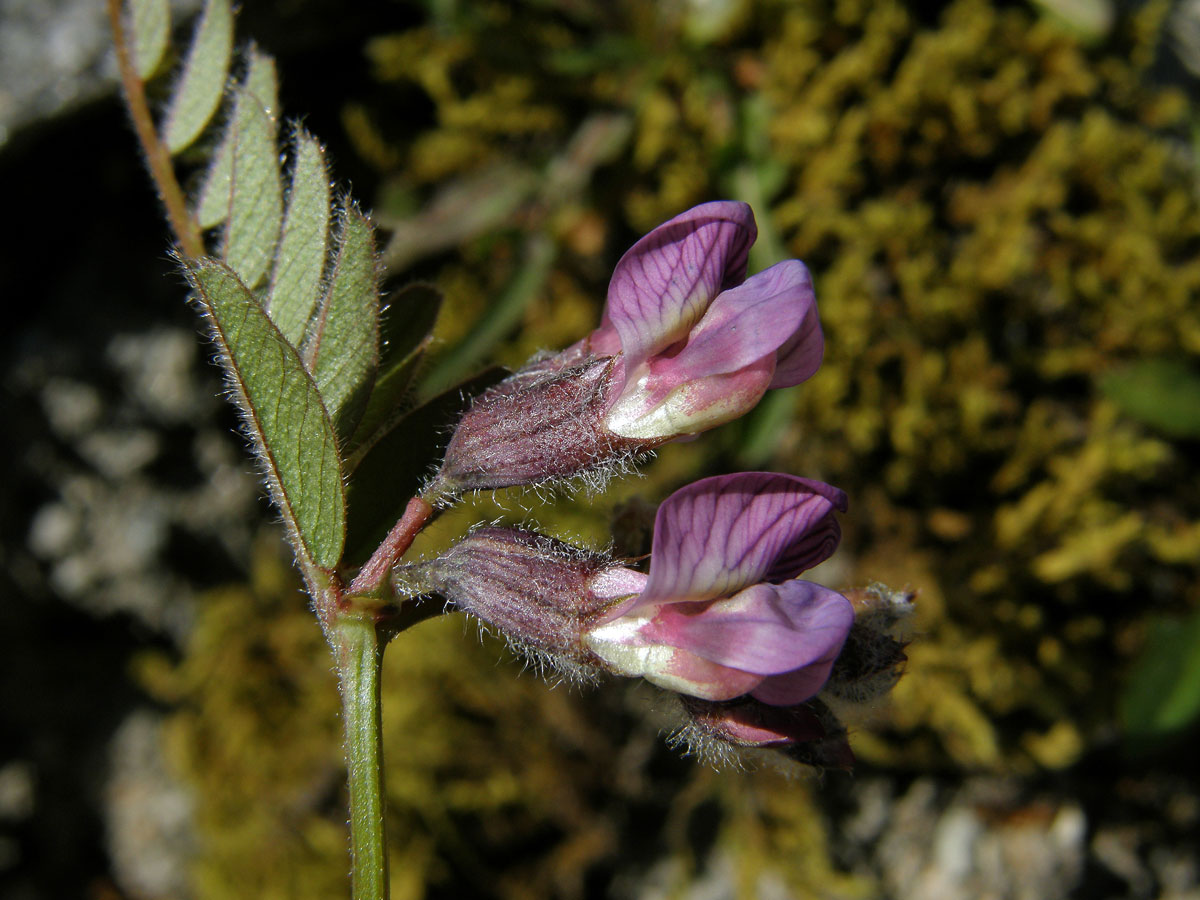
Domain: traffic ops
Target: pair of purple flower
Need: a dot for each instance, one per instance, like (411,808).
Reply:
(686,343)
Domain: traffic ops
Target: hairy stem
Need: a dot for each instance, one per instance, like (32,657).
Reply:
(158,158)
(416,515)
(359,653)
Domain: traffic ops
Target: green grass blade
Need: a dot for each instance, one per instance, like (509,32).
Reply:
(304,244)
(342,347)
(151,20)
(256,189)
(260,81)
(282,411)
(200,86)
(405,333)
(392,471)
(501,317)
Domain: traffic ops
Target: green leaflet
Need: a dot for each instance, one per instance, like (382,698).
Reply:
(256,193)
(304,244)
(282,411)
(151,20)
(200,86)
(259,82)
(405,333)
(342,346)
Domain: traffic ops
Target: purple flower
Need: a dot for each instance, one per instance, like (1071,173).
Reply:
(686,343)
(699,343)
(721,613)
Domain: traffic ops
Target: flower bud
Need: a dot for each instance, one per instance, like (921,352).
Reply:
(808,732)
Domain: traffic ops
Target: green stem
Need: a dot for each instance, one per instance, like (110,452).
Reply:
(359,659)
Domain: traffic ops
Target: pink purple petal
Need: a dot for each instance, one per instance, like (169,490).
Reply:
(604,341)
(795,687)
(664,283)
(816,547)
(766,629)
(695,676)
(719,535)
(801,354)
(663,408)
(743,325)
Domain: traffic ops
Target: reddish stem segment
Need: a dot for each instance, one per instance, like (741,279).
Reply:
(158,158)
(399,539)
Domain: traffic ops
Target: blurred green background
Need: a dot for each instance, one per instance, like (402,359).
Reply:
(1000,206)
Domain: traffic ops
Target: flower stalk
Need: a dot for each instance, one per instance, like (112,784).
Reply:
(416,516)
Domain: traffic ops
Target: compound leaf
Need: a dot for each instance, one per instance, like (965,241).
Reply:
(282,411)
